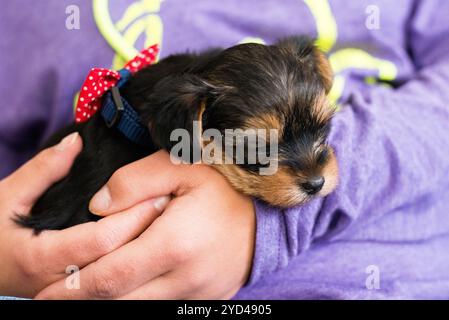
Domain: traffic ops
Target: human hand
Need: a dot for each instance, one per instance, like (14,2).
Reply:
(29,263)
(200,247)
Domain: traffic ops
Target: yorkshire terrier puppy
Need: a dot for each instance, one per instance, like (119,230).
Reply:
(248,86)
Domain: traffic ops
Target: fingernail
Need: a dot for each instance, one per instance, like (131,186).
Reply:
(101,201)
(67,141)
(161,203)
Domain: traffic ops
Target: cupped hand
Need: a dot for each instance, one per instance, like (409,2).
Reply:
(29,263)
(200,247)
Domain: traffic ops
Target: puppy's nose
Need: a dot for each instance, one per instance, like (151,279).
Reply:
(313,185)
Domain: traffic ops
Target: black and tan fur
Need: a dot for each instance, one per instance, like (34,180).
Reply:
(281,86)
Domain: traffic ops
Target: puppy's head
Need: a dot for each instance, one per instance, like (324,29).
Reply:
(281,87)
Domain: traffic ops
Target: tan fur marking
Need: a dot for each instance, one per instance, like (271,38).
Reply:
(265,121)
(200,122)
(330,174)
(279,189)
(322,109)
(324,68)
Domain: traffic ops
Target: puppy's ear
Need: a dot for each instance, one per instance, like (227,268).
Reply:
(304,47)
(325,69)
(178,102)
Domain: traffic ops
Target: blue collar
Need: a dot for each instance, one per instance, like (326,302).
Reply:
(118,113)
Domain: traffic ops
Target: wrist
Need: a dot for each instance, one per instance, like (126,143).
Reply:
(5,271)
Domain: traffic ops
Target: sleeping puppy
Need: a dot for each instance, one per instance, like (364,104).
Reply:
(279,87)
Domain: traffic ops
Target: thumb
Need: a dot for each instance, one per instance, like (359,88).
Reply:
(152,177)
(30,181)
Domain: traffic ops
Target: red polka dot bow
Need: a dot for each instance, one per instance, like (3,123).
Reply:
(100,80)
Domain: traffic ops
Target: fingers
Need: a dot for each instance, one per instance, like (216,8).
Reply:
(150,177)
(119,272)
(165,287)
(84,243)
(29,182)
